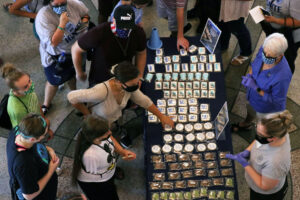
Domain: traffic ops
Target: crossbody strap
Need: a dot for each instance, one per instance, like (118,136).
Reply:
(103,99)
(22,103)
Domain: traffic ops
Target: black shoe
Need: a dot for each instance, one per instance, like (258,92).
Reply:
(126,142)
(187,27)
(191,14)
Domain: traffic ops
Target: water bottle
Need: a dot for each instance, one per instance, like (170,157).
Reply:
(62,57)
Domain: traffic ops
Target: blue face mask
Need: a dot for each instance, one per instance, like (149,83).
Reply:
(60,9)
(122,33)
(268,60)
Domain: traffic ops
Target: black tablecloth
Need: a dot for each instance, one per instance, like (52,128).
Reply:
(153,131)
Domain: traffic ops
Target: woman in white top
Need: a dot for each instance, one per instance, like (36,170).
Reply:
(95,159)
(113,95)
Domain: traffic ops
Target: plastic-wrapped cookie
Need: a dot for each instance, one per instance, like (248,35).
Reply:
(167,186)
(166,148)
(159,52)
(168,138)
(205,76)
(151,68)
(172,102)
(192,49)
(188,148)
(204,107)
(192,101)
(188,127)
(192,183)
(167,60)
(181,93)
(174,166)
(185,67)
(173,85)
(201,50)
(175,58)
(155,185)
(198,126)
(174,117)
(209,67)
(200,137)
(182,118)
(187,174)
(155,196)
(186,165)
(158,60)
(203,85)
(213,173)
(162,109)
(200,165)
(181,85)
(190,76)
(156,149)
(152,118)
(217,67)
(193,117)
(210,156)
(182,76)
(208,126)
(178,138)
(212,94)
(183,52)
(201,147)
(222,154)
(158,85)
(212,164)
(201,67)
(161,102)
(159,166)
(175,76)
(179,185)
(203,58)
(176,67)
(193,109)
(174,94)
(205,183)
(225,163)
(169,68)
(200,172)
(159,76)
(158,176)
(210,135)
(193,67)
(178,148)
(179,127)
(212,85)
(166,94)
(212,58)
(197,94)
(170,158)
(227,172)
(149,77)
(182,110)
(182,102)
(229,182)
(189,93)
(194,59)
(205,117)
(183,157)
(190,137)
(204,94)
(196,157)
(188,85)
(156,159)
(187,195)
(196,84)
(174,175)
(167,77)
(168,128)
(198,76)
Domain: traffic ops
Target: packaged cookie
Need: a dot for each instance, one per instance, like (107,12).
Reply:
(174,117)
(208,126)
(187,174)
(156,158)
(185,67)
(212,165)
(201,147)
(210,156)
(158,85)
(225,163)
(209,67)
(212,94)
(156,149)
(212,194)
(196,84)
(179,127)
(188,148)
(180,184)
(162,109)
(200,172)
(189,93)
(222,154)
(181,85)
(168,68)
(168,138)
(218,181)
(187,195)
(192,183)
(152,118)
(205,116)
(203,85)
(164,195)
(201,67)
(217,67)
(195,194)
(183,157)
(212,58)
(212,85)
(194,59)
(193,117)
(159,76)
(175,58)
(173,94)
(198,76)
(213,173)
(196,157)
(179,196)
(182,110)
(174,166)
(182,118)
(167,77)
(227,172)
(204,107)
(173,85)
(158,60)
(190,137)
(205,183)
(193,109)
(158,176)
(175,76)
(166,148)
(167,94)
(172,102)
(182,76)
(167,60)
(171,110)
(193,67)
(149,77)
(176,67)
(192,102)
(167,185)
(159,166)
(203,58)
(204,94)
(186,165)
(201,50)
(172,196)
(212,146)
(190,76)
(170,158)
(161,102)
(197,94)
(229,182)
(159,52)
(210,135)
(230,194)
(181,93)
(203,192)
(220,194)
(200,137)
(192,49)
(188,85)
(155,196)
(205,76)
(198,126)
(183,52)
(174,175)
(155,185)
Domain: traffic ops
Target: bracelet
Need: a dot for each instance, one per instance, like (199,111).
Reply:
(60,28)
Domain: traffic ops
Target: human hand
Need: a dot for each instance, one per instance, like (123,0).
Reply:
(166,120)
(81,76)
(53,165)
(239,158)
(182,42)
(270,19)
(63,19)
(249,82)
(52,154)
(128,155)
(245,154)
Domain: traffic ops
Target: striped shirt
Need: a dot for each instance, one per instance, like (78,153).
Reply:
(173,4)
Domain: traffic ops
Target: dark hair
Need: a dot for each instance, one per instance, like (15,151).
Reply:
(140,2)
(125,71)
(11,74)
(93,127)
(32,125)
(72,196)
(46,2)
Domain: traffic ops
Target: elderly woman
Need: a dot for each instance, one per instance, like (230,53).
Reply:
(285,18)
(59,24)
(267,82)
(267,160)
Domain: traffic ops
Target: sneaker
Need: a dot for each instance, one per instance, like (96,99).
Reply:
(126,142)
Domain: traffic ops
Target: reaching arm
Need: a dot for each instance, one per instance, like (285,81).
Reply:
(126,154)
(181,41)
(163,118)
(289,21)
(140,60)
(15,9)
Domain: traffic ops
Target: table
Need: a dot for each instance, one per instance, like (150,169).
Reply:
(154,132)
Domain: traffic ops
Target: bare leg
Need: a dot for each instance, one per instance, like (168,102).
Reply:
(72,83)
(50,91)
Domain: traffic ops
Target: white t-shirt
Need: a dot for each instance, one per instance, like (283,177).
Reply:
(95,161)
(46,23)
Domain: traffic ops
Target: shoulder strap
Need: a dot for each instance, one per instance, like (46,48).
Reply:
(22,103)
(103,99)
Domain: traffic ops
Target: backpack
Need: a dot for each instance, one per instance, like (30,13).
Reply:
(4,117)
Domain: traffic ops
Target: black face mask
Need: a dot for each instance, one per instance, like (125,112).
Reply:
(262,140)
(130,88)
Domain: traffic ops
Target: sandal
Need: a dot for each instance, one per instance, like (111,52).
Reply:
(6,6)
(45,109)
(237,127)
(239,60)
(119,173)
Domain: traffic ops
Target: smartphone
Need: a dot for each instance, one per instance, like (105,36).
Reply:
(265,12)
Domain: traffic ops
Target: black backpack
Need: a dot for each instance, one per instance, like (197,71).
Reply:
(4,117)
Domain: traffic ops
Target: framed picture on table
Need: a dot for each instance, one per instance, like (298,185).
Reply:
(210,36)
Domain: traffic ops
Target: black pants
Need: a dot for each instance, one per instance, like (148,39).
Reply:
(100,191)
(276,196)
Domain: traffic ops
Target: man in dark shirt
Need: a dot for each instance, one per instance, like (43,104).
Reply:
(112,43)
(31,165)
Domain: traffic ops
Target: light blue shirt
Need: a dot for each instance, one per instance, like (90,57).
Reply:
(138,12)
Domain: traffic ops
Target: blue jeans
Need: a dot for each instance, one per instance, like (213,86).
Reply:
(239,29)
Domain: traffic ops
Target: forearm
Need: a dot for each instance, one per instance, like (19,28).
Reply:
(180,21)
(77,58)
(22,13)
(256,177)
(58,35)
(140,61)
(82,108)
(118,148)
(153,109)
(250,146)
(289,22)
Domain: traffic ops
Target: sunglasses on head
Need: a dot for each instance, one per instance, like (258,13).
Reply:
(110,156)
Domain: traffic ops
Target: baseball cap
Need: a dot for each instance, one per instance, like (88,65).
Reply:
(125,17)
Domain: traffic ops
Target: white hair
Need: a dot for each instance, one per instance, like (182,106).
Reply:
(275,43)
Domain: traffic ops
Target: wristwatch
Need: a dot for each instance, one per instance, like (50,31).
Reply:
(258,89)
